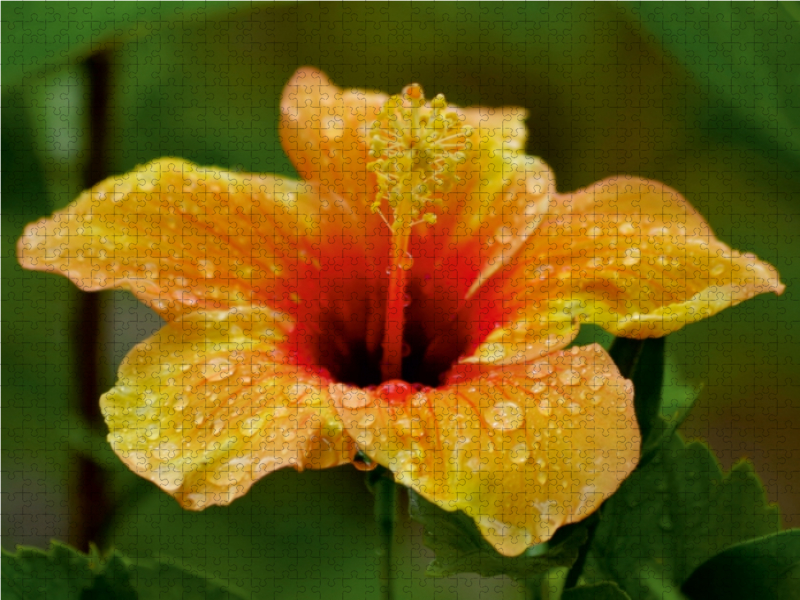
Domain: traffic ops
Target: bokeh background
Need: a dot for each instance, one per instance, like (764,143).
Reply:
(704,97)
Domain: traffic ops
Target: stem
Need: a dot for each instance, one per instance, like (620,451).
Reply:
(93,504)
(392,359)
(385,516)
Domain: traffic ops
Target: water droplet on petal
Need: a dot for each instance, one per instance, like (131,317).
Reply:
(632,257)
(626,228)
(569,377)
(717,270)
(519,454)
(405,262)
(394,392)
(474,464)
(538,388)
(364,438)
(249,427)
(596,382)
(539,370)
(541,477)
(504,415)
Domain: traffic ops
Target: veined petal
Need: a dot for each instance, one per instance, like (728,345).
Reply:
(628,254)
(521,449)
(185,238)
(217,400)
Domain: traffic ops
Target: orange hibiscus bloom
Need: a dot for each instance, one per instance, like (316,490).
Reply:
(411,297)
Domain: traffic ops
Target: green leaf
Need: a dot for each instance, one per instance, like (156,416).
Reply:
(38,38)
(740,53)
(766,568)
(601,591)
(64,573)
(642,361)
(61,574)
(460,547)
(671,516)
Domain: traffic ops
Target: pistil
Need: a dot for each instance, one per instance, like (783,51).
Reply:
(416,149)
(401,262)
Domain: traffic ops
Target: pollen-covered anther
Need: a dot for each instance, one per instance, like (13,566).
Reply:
(416,149)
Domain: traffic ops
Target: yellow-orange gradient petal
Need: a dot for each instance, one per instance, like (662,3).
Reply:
(521,449)
(324,132)
(628,254)
(217,400)
(184,238)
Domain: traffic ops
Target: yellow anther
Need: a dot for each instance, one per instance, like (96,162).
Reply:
(416,149)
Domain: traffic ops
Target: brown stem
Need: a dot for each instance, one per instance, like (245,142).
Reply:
(92,498)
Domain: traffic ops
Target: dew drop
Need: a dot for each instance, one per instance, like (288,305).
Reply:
(364,438)
(544,406)
(569,377)
(350,397)
(538,388)
(405,262)
(595,263)
(504,415)
(395,392)
(596,382)
(406,349)
(249,427)
(541,477)
(519,454)
(406,300)
(626,228)
(539,370)
(717,270)
(632,257)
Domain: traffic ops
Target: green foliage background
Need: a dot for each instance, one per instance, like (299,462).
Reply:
(704,97)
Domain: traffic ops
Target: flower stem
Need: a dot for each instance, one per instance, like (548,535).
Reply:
(392,359)
(385,491)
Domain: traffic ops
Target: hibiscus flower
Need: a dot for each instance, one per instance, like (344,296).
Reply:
(412,297)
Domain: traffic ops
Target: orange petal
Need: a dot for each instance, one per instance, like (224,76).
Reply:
(184,238)
(522,449)
(478,233)
(215,401)
(628,254)
(324,133)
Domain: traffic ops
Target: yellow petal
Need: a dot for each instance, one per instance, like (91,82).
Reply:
(628,254)
(521,449)
(216,400)
(185,238)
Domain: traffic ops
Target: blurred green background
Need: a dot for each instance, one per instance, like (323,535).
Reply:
(704,97)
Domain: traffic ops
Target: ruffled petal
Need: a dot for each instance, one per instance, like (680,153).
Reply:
(217,400)
(184,238)
(522,449)
(628,254)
